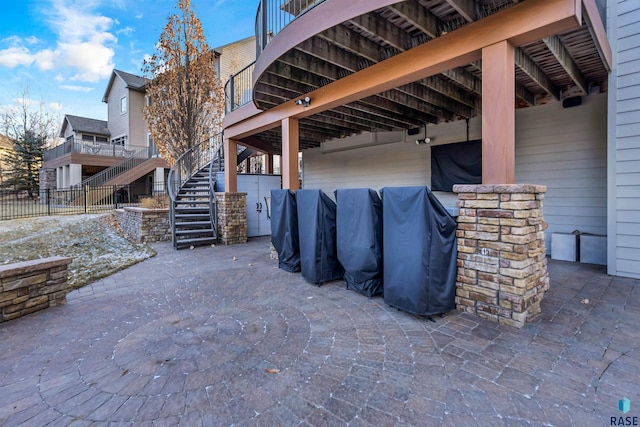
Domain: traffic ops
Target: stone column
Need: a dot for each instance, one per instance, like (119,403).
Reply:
(232,218)
(502,268)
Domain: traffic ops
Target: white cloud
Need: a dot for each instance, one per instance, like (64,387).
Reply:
(55,106)
(76,88)
(127,31)
(14,56)
(84,47)
(140,16)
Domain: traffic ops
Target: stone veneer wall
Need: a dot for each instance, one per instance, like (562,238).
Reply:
(29,286)
(502,268)
(144,225)
(47,179)
(232,218)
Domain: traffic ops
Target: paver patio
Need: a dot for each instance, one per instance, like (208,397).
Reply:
(220,336)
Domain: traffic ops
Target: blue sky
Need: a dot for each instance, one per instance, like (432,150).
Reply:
(64,50)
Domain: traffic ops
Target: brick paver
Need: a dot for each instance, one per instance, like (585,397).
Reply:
(220,336)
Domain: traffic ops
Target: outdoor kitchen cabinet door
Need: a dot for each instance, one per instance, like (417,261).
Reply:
(258,189)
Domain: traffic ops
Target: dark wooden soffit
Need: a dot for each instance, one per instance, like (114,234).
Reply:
(336,42)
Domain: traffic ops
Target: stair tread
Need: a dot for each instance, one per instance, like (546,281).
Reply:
(192,224)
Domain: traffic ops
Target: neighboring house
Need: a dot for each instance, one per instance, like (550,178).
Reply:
(92,146)
(372,71)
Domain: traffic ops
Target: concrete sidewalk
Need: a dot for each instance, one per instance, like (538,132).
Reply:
(220,336)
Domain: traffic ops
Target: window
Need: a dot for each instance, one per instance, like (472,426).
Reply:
(121,140)
(87,137)
(123,105)
(149,101)
(101,139)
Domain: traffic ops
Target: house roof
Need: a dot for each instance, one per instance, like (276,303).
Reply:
(85,125)
(131,81)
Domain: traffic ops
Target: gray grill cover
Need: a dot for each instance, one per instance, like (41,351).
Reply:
(419,251)
(317,230)
(359,230)
(284,229)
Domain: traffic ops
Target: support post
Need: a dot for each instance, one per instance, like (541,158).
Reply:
(498,114)
(290,148)
(230,165)
(268,164)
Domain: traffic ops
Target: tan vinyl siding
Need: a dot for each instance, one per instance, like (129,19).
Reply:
(137,125)
(235,56)
(624,139)
(118,123)
(564,149)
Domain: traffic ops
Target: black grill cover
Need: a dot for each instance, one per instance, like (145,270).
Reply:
(284,229)
(419,251)
(359,230)
(317,230)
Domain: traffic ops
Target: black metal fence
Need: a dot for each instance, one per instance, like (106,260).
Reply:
(77,200)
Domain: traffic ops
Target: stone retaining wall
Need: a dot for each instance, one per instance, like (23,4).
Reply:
(29,286)
(502,268)
(232,218)
(144,225)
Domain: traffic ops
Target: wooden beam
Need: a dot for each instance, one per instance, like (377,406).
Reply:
(230,166)
(498,114)
(257,144)
(554,44)
(530,68)
(290,149)
(466,8)
(377,26)
(451,50)
(418,16)
(598,32)
(306,70)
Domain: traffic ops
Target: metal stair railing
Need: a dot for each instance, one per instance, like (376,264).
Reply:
(187,165)
(134,159)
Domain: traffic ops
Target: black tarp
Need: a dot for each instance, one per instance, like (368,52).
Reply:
(284,229)
(359,231)
(419,251)
(317,231)
(459,163)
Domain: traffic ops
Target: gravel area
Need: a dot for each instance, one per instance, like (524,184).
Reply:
(97,249)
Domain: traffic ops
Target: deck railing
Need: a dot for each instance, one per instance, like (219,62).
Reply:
(94,148)
(274,15)
(238,91)
(132,160)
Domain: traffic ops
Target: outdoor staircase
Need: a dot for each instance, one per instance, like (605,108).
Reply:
(194,213)
(191,187)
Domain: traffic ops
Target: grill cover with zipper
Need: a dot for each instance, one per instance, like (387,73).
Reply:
(359,231)
(317,231)
(419,251)
(284,229)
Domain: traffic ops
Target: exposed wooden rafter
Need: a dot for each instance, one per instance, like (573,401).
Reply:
(558,50)
(466,8)
(530,68)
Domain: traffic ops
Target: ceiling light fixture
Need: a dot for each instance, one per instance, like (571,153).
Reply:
(424,140)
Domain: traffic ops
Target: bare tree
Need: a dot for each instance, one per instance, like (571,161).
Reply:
(31,129)
(186,97)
